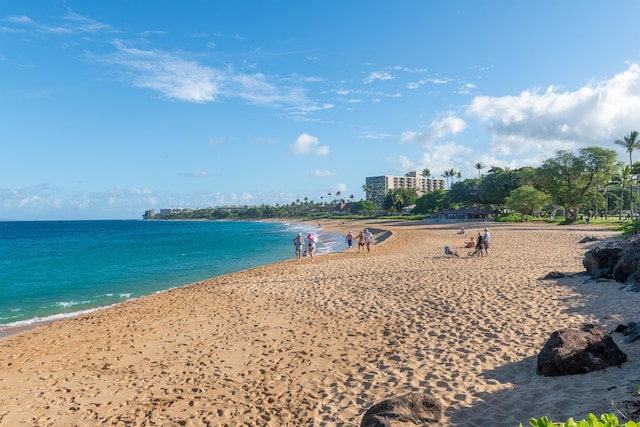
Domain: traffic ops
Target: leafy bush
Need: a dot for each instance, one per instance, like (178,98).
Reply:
(510,217)
(605,420)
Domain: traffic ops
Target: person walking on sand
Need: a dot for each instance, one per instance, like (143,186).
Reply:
(311,245)
(361,241)
(349,239)
(298,241)
(486,238)
(368,238)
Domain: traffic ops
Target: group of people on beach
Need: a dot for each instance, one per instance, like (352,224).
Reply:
(308,248)
(299,243)
(364,238)
(480,245)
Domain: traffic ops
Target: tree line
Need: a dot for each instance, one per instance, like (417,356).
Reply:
(589,181)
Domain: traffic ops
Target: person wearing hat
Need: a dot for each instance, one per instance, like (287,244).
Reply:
(311,244)
(486,238)
(298,241)
(349,239)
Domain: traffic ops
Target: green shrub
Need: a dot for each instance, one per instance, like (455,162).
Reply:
(510,217)
(605,420)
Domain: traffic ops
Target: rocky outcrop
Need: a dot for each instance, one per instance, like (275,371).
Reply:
(600,262)
(618,260)
(579,351)
(417,408)
(630,331)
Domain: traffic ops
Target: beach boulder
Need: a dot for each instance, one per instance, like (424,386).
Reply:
(600,262)
(418,408)
(579,351)
(631,331)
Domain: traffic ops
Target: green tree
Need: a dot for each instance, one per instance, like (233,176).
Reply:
(621,178)
(432,202)
(365,207)
(496,185)
(465,193)
(570,178)
(479,166)
(630,142)
(399,198)
(446,176)
(426,172)
(526,200)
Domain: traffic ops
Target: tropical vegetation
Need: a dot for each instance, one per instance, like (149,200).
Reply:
(589,183)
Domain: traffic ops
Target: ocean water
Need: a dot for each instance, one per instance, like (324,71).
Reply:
(55,269)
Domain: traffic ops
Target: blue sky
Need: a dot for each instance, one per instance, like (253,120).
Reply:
(110,108)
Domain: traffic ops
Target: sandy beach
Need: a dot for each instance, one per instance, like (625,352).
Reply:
(317,342)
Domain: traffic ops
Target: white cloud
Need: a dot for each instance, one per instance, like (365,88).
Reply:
(439,158)
(180,78)
(450,125)
(378,75)
(544,121)
(323,173)
(307,144)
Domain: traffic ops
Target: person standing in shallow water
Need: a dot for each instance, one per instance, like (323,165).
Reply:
(349,239)
(298,241)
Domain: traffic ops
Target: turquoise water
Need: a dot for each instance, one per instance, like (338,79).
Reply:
(55,269)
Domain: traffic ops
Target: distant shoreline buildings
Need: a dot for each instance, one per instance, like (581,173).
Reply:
(377,187)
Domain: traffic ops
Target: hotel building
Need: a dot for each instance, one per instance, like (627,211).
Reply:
(377,187)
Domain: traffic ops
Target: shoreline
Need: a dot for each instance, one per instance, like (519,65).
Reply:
(318,343)
(331,245)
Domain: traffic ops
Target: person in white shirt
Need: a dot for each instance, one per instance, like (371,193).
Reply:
(486,239)
(368,238)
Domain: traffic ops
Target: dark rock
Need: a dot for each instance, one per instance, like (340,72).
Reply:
(600,262)
(557,275)
(418,408)
(589,239)
(579,351)
(630,331)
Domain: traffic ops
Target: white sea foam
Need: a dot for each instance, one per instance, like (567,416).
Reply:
(40,320)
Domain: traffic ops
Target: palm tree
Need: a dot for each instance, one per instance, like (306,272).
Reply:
(459,175)
(446,175)
(479,166)
(426,172)
(622,178)
(368,191)
(329,194)
(450,173)
(630,142)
